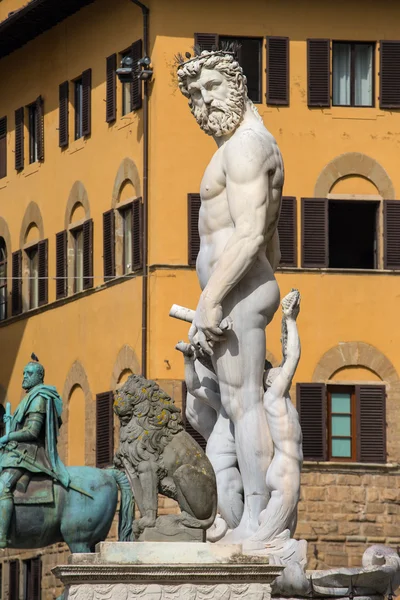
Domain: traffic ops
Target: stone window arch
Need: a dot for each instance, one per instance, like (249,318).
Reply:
(126,190)
(77,389)
(31,237)
(77,214)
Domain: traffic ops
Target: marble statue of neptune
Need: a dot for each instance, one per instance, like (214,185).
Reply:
(239,251)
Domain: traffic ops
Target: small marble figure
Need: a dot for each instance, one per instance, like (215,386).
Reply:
(159,456)
(239,251)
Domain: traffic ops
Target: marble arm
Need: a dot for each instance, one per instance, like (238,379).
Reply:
(281,385)
(31,431)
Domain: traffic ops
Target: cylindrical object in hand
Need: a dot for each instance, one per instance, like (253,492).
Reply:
(182,313)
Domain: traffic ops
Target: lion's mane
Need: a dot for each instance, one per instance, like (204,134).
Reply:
(149,420)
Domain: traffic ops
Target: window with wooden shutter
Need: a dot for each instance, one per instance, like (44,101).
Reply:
(88,254)
(86,101)
(104,429)
(194,203)
(43,272)
(13,583)
(389,89)
(206,41)
(311,406)
(108,245)
(371,421)
(63,128)
(249,56)
(3,147)
(391,234)
(287,229)
(318,73)
(61,264)
(136,85)
(3,281)
(40,128)
(111,88)
(19,138)
(314,230)
(278,70)
(137,234)
(33,579)
(188,427)
(16,293)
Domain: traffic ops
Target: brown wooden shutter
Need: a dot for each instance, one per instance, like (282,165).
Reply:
(86,101)
(63,130)
(206,41)
(35,579)
(19,138)
(104,429)
(188,428)
(278,70)
(40,127)
(314,231)
(61,264)
(318,73)
(371,423)
(108,245)
(194,203)
(136,85)
(13,584)
(137,234)
(16,292)
(391,234)
(287,229)
(43,272)
(311,406)
(88,254)
(3,147)
(111,88)
(389,88)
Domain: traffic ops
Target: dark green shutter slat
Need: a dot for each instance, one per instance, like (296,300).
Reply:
(19,138)
(61,264)
(104,429)
(371,421)
(108,245)
(137,234)
(63,130)
(88,254)
(311,406)
(318,73)
(86,101)
(314,230)
(111,88)
(389,81)
(278,70)
(43,272)
(287,229)
(391,234)
(40,127)
(136,85)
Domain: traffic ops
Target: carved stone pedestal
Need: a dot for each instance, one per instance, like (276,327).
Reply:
(166,571)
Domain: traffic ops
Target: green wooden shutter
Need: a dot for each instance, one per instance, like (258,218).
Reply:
(61,264)
(88,254)
(278,70)
(111,88)
(206,41)
(194,203)
(287,229)
(108,245)
(371,423)
(19,138)
(137,234)
(136,85)
(40,127)
(311,406)
(87,102)
(63,111)
(318,73)
(391,234)
(104,429)
(389,82)
(314,232)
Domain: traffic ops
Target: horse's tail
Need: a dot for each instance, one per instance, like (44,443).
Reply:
(127,506)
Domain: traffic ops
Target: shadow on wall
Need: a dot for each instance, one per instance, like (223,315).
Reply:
(11,336)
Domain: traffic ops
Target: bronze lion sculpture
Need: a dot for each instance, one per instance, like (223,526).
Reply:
(159,456)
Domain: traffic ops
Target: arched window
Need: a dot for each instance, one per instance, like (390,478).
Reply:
(3,279)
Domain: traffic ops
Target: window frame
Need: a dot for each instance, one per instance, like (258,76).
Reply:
(260,39)
(78,104)
(34,248)
(353,43)
(339,388)
(75,231)
(33,142)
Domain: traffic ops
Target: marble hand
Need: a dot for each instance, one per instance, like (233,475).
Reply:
(205,329)
(187,349)
(291,305)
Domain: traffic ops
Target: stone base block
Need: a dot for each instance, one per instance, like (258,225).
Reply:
(166,571)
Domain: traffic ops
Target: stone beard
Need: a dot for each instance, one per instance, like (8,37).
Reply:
(220,117)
